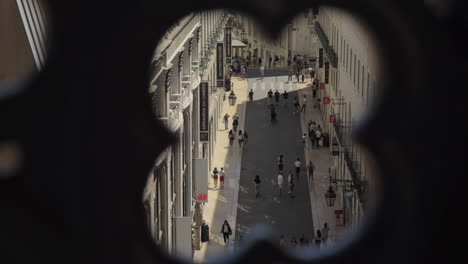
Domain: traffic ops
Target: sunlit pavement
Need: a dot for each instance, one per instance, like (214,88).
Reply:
(291,217)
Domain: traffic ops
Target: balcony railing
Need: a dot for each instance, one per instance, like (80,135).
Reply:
(331,54)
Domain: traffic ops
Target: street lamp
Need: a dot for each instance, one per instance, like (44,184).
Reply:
(330,196)
(232,98)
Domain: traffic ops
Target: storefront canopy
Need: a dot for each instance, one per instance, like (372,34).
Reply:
(237,44)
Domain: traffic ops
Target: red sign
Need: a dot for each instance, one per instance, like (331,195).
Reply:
(332,118)
(339,217)
(326,100)
(202,197)
(322,85)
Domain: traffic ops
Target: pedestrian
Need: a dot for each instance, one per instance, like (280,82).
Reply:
(276,61)
(310,169)
(318,238)
(251,93)
(302,240)
(293,242)
(296,104)
(302,73)
(242,72)
(226,121)
(304,103)
(280,183)
(319,128)
(270,59)
(230,72)
(262,71)
(259,61)
(240,138)
(231,137)
(246,139)
(222,173)
(270,96)
(280,162)
(314,91)
(290,73)
(215,177)
(257,186)
(297,164)
(304,139)
(318,135)
(277,96)
(235,121)
(226,230)
(291,185)
(325,230)
(282,241)
(285,98)
(297,75)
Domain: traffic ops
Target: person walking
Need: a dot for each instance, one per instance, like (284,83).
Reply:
(259,61)
(242,72)
(318,238)
(240,138)
(226,231)
(297,164)
(280,183)
(235,121)
(257,186)
(215,177)
(290,73)
(251,93)
(302,74)
(285,98)
(270,96)
(262,71)
(318,135)
(291,185)
(325,230)
(226,121)
(277,96)
(231,137)
(280,162)
(298,71)
(222,173)
(310,169)
(304,139)
(276,62)
(293,242)
(246,139)
(230,71)
(270,59)
(304,103)
(296,104)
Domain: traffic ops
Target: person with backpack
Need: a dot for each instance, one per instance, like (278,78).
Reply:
(318,238)
(226,231)
(240,138)
(277,96)
(231,137)
(215,177)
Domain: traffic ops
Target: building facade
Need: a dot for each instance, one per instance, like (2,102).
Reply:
(348,76)
(184,59)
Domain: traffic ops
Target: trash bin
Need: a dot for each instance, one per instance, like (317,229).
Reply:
(205,231)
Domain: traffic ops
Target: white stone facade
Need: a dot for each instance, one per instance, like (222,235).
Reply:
(168,192)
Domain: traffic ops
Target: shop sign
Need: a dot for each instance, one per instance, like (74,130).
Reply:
(327,71)
(204,113)
(326,100)
(332,118)
(228,44)
(219,65)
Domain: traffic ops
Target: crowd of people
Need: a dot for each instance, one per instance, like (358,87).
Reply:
(319,238)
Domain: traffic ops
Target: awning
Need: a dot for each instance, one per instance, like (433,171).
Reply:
(237,44)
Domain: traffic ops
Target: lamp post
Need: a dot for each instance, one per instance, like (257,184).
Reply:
(330,196)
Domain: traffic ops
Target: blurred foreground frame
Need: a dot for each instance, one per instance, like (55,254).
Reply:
(89,138)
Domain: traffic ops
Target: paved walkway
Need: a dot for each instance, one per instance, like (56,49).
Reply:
(322,159)
(222,203)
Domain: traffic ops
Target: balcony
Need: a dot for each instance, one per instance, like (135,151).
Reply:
(187,96)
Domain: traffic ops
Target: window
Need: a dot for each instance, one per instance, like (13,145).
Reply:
(362,84)
(347,58)
(359,75)
(367,95)
(354,70)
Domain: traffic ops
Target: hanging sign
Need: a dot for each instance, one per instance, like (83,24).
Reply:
(326,100)
(320,58)
(322,85)
(327,71)
(332,118)
(204,103)
(228,44)
(219,65)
